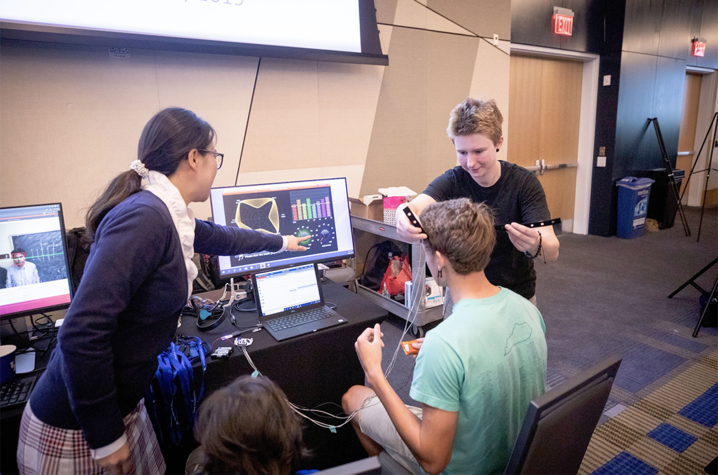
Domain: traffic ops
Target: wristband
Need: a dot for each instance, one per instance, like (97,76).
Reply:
(538,251)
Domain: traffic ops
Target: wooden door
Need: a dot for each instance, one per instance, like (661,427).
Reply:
(687,134)
(544,109)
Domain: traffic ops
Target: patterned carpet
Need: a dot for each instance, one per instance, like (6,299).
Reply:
(672,430)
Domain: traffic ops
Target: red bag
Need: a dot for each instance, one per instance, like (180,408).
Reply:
(397,273)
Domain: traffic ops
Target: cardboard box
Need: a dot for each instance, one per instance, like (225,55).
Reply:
(369,207)
(432,296)
(393,197)
(373,206)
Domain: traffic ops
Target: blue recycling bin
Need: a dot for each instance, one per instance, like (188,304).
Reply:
(633,196)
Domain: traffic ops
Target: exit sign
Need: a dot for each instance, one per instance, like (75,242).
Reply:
(698,47)
(562,21)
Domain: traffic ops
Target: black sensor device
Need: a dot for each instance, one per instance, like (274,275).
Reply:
(412,218)
(537,224)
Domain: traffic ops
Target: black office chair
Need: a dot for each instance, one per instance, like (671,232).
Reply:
(367,466)
(558,425)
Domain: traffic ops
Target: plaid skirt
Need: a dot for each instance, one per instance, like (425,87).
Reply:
(47,450)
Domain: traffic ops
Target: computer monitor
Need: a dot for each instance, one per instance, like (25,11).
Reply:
(35,275)
(316,208)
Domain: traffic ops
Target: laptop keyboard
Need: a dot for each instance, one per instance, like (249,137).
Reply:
(17,391)
(289,321)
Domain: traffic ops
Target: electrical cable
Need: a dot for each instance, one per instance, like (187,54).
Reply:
(411,317)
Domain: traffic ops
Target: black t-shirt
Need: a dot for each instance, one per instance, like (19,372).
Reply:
(517,197)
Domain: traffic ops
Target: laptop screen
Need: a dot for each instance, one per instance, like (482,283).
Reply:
(287,289)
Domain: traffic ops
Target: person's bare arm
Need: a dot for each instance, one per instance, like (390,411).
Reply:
(431,438)
(527,239)
(404,228)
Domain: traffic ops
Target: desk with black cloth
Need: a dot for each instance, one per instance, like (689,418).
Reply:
(312,369)
(10,417)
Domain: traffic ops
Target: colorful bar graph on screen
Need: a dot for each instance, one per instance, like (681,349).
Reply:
(310,204)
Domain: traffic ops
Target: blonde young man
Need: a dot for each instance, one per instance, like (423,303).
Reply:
(475,373)
(513,193)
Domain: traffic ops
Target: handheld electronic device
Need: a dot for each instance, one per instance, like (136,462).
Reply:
(537,224)
(413,219)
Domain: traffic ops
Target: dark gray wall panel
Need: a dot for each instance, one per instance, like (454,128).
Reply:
(668,105)
(602,216)
(531,23)
(614,19)
(635,107)
(587,26)
(676,25)
(642,26)
(696,22)
(709,31)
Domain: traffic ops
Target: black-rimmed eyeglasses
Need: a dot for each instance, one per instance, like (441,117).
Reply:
(217,156)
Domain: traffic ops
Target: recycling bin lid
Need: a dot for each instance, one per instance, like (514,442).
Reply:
(633,183)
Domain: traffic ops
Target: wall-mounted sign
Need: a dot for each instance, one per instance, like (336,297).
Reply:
(698,47)
(562,21)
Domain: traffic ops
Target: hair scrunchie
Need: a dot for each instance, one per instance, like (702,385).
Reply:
(140,168)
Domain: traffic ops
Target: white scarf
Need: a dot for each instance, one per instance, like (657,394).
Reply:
(183,218)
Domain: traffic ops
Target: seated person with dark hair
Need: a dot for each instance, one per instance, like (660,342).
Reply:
(247,427)
(475,373)
(21,272)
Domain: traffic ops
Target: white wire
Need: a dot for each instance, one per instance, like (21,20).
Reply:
(417,294)
(249,360)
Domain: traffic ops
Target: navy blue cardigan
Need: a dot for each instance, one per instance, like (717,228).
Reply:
(124,314)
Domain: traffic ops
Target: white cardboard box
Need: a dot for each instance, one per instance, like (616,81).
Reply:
(433,297)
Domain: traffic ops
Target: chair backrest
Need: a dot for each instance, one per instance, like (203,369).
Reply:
(367,466)
(559,424)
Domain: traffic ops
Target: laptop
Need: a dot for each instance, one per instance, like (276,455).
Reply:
(290,302)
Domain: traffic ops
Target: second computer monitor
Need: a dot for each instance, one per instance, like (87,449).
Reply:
(316,208)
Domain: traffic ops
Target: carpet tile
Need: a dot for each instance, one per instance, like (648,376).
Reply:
(637,373)
(672,437)
(676,340)
(683,466)
(703,409)
(626,464)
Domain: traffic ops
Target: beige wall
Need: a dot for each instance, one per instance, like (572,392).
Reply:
(70,116)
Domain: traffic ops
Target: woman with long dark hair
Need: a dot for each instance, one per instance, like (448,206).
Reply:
(86,413)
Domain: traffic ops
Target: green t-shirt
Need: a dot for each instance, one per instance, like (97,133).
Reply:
(488,361)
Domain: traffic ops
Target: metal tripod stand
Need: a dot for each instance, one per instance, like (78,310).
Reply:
(710,295)
(713,125)
(671,179)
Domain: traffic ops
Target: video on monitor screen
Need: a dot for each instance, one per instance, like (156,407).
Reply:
(318,209)
(34,273)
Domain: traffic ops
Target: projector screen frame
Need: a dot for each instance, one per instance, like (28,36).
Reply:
(370,44)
